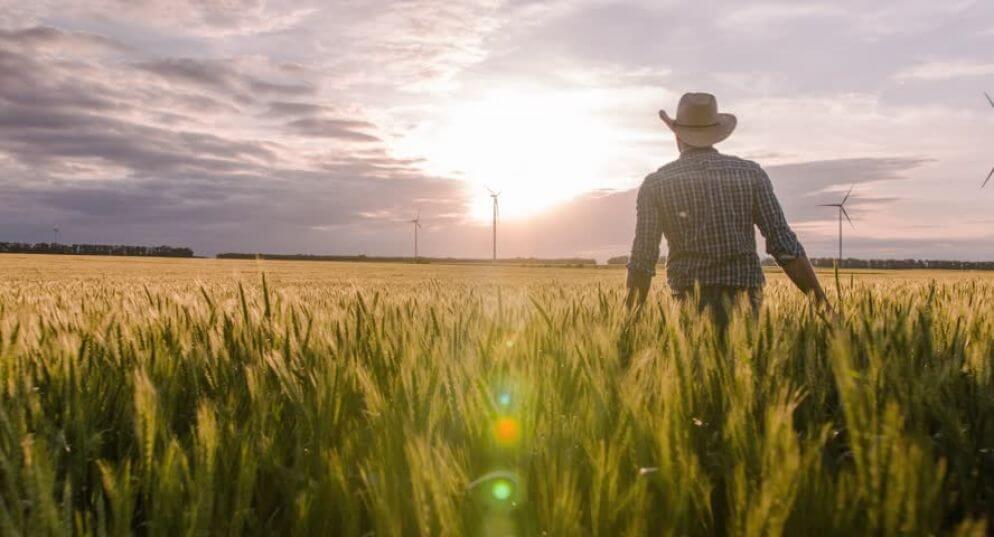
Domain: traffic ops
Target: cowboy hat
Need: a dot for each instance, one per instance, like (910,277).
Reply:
(698,122)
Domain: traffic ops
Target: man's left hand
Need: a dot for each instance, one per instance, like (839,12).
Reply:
(638,288)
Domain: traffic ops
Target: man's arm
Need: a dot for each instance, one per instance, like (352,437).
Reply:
(800,271)
(782,243)
(645,247)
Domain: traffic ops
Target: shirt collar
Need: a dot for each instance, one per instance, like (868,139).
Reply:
(694,151)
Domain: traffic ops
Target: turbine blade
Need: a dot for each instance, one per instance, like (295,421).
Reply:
(989,99)
(829,205)
(843,209)
(847,194)
(988,178)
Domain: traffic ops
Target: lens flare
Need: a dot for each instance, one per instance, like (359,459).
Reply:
(504,399)
(507,431)
(501,490)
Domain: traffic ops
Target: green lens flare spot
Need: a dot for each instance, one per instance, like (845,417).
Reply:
(504,399)
(501,490)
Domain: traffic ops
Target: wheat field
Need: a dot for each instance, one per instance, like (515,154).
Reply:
(209,397)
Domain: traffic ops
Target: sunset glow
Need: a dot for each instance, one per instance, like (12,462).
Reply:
(537,148)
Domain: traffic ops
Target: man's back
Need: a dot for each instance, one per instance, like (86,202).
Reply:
(706,205)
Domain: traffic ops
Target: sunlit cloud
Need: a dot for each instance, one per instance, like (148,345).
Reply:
(753,16)
(945,70)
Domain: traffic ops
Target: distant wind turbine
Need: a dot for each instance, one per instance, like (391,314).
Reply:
(494,196)
(55,233)
(842,212)
(417,225)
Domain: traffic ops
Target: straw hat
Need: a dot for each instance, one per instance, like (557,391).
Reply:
(698,122)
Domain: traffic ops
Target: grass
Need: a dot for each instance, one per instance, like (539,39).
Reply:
(193,397)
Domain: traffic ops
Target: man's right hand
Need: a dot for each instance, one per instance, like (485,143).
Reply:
(800,271)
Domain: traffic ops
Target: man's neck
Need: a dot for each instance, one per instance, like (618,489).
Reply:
(685,148)
(690,150)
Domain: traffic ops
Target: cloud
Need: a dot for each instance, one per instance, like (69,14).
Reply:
(84,144)
(290,108)
(213,18)
(212,75)
(419,45)
(219,76)
(816,182)
(345,129)
(50,39)
(945,70)
(879,20)
(754,15)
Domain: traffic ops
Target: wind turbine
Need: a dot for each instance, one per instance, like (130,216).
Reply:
(842,212)
(992,169)
(55,234)
(417,226)
(494,196)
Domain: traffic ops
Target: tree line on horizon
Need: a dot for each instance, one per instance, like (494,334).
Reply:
(173,251)
(420,259)
(855,263)
(94,249)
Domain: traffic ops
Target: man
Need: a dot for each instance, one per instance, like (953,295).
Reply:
(706,205)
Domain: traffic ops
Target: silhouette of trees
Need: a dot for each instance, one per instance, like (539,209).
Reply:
(853,263)
(571,261)
(94,249)
(896,264)
(623,260)
(172,251)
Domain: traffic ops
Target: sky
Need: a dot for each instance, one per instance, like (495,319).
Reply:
(323,127)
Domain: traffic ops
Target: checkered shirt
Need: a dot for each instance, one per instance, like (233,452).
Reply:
(706,205)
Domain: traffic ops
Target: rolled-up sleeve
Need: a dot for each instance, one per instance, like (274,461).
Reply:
(648,233)
(781,241)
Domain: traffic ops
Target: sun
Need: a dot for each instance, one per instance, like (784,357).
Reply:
(537,148)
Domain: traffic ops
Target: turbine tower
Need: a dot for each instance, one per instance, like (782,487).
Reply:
(989,175)
(842,212)
(55,234)
(494,196)
(417,226)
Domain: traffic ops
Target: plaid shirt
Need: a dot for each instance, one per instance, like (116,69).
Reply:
(706,204)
